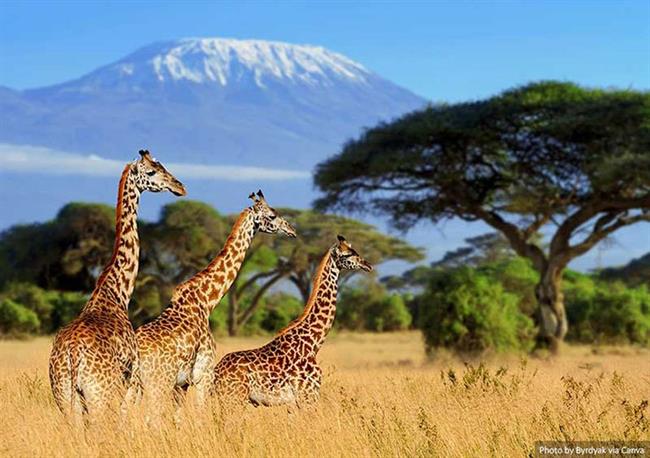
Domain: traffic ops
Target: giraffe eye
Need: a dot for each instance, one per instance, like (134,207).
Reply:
(151,173)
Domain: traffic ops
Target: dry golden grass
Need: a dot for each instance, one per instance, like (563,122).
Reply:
(380,397)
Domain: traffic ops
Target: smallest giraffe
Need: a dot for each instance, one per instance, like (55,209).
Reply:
(285,371)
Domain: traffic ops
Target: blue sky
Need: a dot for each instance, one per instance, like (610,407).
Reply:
(441,50)
(444,51)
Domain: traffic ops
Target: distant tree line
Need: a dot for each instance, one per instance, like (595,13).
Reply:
(46,269)
(479,297)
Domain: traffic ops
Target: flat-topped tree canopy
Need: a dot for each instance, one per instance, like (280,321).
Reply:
(548,153)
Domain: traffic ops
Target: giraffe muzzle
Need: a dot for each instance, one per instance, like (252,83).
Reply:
(289,230)
(365,265)
(178,189)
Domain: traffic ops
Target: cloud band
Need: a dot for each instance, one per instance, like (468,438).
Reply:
(41,160)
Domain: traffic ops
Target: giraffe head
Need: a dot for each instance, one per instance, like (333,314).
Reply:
(152,176)
(347,258)
(267,219)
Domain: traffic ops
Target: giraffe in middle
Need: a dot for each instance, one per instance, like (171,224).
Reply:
(176,350)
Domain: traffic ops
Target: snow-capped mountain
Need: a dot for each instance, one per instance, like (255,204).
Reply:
(227,61)
(209,100)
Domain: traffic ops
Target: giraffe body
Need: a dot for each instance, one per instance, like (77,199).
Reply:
(177,349)
(285,370)
(94,357)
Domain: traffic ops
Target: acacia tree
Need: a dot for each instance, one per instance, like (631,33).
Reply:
(549,156)
(277,258)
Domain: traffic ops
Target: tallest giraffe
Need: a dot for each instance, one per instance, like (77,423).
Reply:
(93,357)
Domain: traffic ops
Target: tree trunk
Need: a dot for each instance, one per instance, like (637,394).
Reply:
(551,315)
(233,326)
(303,286)
(248,313)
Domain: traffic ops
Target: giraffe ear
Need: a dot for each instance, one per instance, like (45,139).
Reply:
(252,197)
(340,238)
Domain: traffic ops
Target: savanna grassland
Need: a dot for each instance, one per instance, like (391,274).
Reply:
(380,397)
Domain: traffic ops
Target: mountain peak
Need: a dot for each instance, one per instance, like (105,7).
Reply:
(248,102)
(225,60)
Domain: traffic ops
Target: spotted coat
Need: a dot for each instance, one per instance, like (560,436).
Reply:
(285,370)
(177,349)
(93,358)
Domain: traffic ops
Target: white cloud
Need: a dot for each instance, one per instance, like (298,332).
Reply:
(41,160)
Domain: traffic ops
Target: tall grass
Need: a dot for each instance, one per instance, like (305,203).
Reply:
(380,397)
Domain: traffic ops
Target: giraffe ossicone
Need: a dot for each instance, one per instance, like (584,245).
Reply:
(94,357)
(285,370)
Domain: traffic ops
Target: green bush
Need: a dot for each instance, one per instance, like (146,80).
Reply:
(35,299)
(17,319)
(468,311)
(606,312)
(517,276)
(278,310)
(53,309)
(219,318)
(147,302)
(367,305)
(66,307)
(275,311)
(389,314)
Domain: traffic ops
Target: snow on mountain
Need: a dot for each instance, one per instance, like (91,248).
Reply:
(222,61)
(225,62)
(211,101)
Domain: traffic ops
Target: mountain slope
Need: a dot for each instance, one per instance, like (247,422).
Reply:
(219,101)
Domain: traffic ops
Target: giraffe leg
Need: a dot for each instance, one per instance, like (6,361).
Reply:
(63,369)
(156,398)
(133,395)
(61,380)
(99,393)
(69,400)
(202,372)
(179,395)
(307,387)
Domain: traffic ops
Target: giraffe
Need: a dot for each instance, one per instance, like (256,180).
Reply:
(176,349)
(285,371)
(94,356)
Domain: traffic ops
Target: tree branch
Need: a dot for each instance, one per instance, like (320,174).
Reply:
(248,313)
(252,280)
(304,291)
(562,237)
(535,226)
(515,236)
(602,230)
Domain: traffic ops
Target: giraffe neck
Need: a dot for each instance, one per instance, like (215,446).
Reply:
(117,281)
(206,289)
(318,316)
